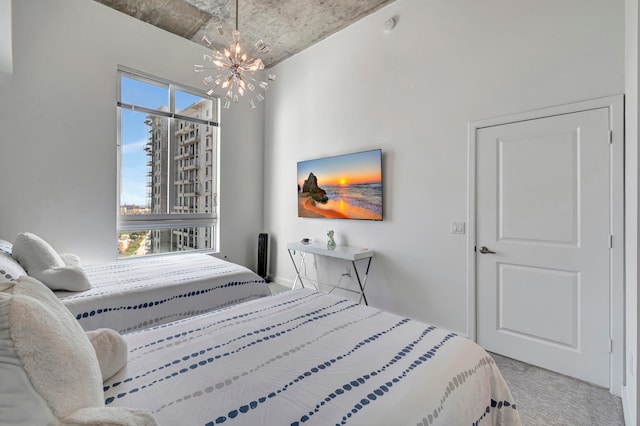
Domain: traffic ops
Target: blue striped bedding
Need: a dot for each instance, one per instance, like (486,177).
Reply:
(140,293)
(307,358)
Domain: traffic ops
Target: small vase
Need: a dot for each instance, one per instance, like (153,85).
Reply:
(331,244)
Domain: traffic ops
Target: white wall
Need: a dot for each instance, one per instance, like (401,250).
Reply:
(58,120)
(412,93)
(6,55)
(630,390)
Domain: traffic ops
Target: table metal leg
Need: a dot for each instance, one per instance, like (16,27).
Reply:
(363,283)
(295,266)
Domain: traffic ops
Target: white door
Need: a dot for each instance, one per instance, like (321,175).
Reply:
(543,207)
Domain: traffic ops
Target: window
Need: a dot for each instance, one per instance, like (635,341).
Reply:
(160,178)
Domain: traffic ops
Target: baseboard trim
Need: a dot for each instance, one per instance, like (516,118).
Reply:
(628,407)
(282,281)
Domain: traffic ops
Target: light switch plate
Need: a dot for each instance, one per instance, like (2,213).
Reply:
(457,227)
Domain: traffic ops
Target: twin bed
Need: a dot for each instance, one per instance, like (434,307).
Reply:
(138,293)
(208,344)
(303,357)
(134,293)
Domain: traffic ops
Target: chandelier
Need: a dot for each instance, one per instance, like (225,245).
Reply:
(237,73)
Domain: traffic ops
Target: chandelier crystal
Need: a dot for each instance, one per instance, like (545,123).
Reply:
(237,73)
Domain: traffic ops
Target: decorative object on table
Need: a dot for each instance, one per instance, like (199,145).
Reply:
(331,244)
(305,241)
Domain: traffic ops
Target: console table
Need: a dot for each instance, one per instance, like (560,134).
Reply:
(351,254)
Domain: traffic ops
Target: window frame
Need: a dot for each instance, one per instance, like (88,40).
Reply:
(164,221)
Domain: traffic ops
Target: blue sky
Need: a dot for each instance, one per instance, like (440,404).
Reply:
(135,134)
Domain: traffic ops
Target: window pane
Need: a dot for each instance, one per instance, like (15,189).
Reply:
(193,105)
(193,194)
(142,93)
(144,160)
(158,241)
(168,163)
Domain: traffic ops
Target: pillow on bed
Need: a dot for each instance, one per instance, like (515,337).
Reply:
(55,376)
(5,246)
(111,350)
(70,259)
(10,269)
(42,262)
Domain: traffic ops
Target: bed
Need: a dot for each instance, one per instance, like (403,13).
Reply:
(304,357)
(134,293)
(138,293)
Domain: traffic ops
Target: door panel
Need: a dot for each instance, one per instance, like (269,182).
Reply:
(543,203)
(538,194)
(524,295)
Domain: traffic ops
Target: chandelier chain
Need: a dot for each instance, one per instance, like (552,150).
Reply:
(237,29)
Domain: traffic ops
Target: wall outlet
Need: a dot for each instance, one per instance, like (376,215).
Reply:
(457,227)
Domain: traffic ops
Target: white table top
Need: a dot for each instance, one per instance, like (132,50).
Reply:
(341,252)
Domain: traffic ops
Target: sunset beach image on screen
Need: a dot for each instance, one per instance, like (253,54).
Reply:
(346,186)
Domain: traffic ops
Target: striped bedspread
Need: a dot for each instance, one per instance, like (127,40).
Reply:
(303,357)
(139,293)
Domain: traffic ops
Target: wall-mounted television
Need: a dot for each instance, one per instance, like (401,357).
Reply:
(347,186)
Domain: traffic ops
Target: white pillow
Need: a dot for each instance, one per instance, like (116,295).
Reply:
(5,246)
(70,278)
(111,350)
(59,363)
(10,269)
(42,262)
(34,253)
(71,259)
(20,404)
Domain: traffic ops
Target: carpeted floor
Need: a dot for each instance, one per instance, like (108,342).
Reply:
(545,398)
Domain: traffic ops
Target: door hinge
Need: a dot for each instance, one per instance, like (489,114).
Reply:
(610,241)
(610,136)
(610,346)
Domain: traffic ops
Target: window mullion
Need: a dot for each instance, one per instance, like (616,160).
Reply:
(171,154)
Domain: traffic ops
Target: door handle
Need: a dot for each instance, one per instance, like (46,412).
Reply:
(485,250)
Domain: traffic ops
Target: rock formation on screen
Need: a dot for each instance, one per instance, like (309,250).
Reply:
(311,187)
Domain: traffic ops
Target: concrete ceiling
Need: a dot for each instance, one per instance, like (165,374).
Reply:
(285,26)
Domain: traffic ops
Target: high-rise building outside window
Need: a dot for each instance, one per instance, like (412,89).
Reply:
(166,135)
